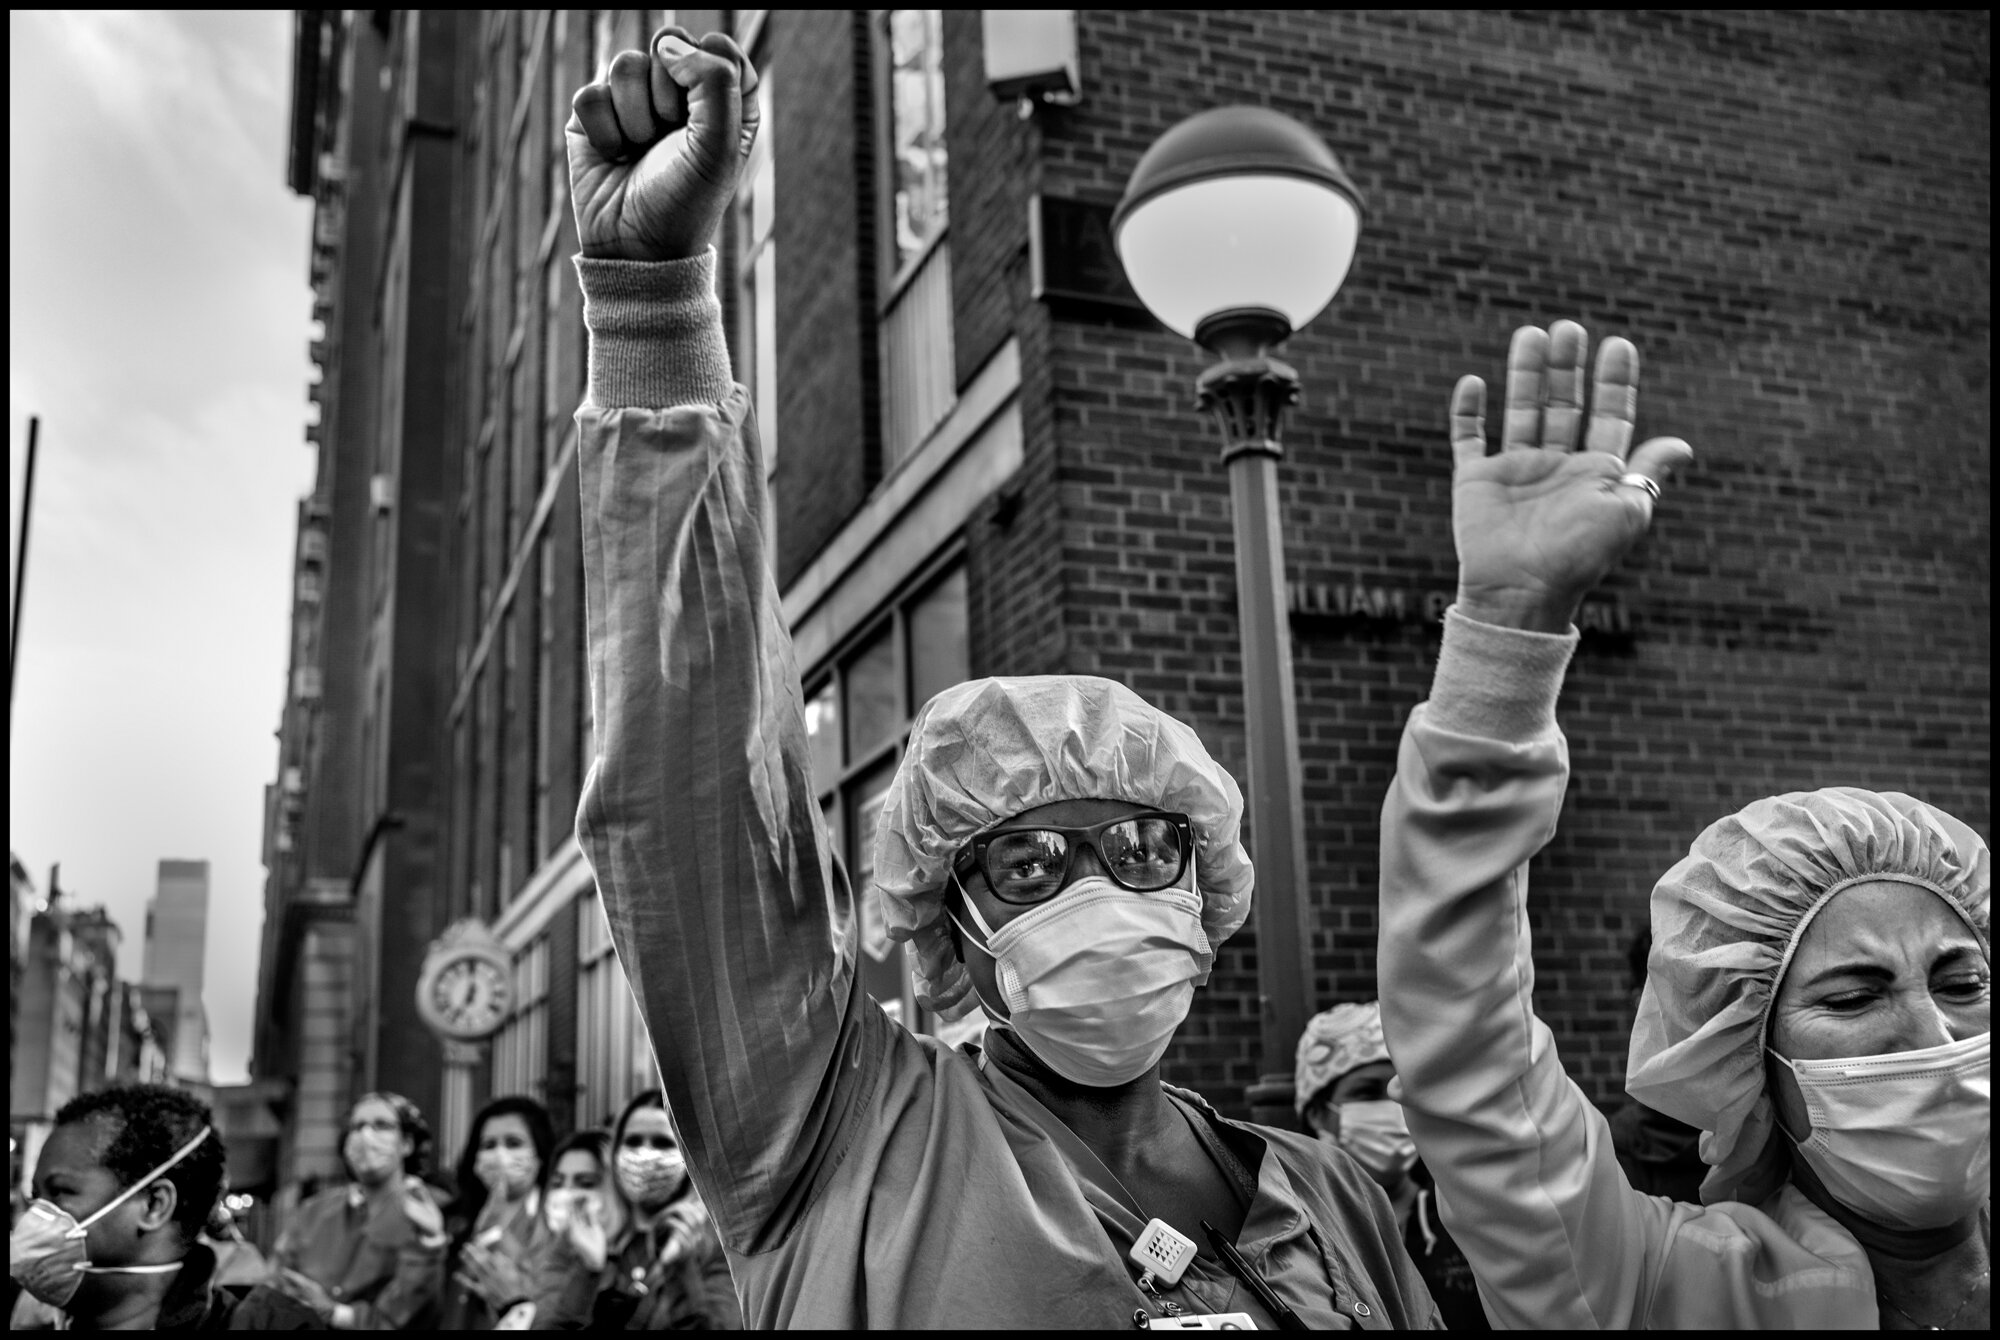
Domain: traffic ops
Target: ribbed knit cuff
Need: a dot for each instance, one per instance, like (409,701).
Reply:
(1498,683)
(655,333)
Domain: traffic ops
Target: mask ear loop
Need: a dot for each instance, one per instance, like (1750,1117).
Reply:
(147,1180)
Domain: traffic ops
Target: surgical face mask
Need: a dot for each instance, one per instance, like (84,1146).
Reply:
(1097,979)
(1904,1139)
(650,1177)
(1378,1138)
(47,1253)
(506,1171)
(372,1153)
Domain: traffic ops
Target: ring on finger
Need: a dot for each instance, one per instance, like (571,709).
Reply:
(1639,481)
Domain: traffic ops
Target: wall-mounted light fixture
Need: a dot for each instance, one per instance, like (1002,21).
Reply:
(1031,57)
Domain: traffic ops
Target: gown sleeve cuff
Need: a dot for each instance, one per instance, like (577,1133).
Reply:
(655,333)
(1498,683)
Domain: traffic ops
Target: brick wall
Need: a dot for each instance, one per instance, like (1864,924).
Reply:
(1787,213)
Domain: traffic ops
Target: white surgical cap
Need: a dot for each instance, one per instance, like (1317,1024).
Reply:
(983,751)
(1726,921)
(1335,1042)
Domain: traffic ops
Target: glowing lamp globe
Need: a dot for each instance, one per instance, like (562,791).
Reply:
(1238,225)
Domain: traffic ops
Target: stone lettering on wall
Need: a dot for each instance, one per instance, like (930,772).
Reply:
(1353,603)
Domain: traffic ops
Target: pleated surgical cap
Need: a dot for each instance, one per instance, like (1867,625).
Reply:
(986,750)
(1335,1042)
(1726,921)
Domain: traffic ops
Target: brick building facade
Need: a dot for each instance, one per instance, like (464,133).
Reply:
(978,470)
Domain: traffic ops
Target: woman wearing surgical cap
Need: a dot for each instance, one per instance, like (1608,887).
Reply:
(1818,993)
(1340,1087)
(1055,850)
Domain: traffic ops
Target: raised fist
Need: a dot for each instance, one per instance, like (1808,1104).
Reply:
(657,145)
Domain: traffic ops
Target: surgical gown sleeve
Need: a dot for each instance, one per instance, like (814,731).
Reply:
(1528,1181)
(698,815)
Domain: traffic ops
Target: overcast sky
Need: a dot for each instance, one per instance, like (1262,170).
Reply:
(158,319)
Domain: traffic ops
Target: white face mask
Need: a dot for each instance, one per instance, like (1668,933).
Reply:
(650,1177)
(373,1154)
(564,1206)
(1906,1138)
(1097,979)
(1378,1138)
(507,1172)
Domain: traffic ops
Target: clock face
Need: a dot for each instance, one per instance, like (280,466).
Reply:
(471,996)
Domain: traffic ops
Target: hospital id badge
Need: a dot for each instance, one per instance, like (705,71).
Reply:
(1204,1321)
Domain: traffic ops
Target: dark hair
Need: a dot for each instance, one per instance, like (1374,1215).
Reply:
(472,1191)
(595,1142)
(147,1124)
(642,1100)
(1636,955)
(415,1129)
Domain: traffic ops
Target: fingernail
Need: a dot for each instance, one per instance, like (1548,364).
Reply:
(673,48)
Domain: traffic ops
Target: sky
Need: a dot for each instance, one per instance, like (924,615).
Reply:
(159,316)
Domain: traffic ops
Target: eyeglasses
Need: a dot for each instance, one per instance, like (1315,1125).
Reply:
(1140,852)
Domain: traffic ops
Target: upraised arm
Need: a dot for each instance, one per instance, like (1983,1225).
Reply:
(698,817)
(1528,1181)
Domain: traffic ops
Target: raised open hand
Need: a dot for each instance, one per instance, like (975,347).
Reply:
(643,192)
(1538,523)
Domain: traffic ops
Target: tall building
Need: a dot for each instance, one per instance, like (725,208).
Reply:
(176,948)
(984,459)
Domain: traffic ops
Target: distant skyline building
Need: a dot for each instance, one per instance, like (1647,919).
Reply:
(176,944)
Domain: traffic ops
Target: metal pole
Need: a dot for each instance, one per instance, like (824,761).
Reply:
(1276,801)
(21,565)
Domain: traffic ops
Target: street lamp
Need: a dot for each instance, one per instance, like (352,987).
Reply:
(1237,229)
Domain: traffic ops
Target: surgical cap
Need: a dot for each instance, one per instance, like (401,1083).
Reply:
(983,751)
(1336,1041)
(1726,921)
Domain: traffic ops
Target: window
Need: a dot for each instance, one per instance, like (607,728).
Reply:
(857,722)
(614,1053)
(916,132)
(521,1048)
(918,373)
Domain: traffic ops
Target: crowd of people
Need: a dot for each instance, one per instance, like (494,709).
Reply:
(600,1230)
(1808,1145)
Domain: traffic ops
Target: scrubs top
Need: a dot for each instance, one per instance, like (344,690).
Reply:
(1527,1173)
(859,1175)
(367,1254)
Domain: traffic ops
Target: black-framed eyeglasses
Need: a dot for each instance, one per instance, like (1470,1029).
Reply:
(1141,852)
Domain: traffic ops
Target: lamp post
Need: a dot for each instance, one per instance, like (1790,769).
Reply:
(1237,229)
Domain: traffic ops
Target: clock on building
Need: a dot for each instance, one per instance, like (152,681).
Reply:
(466,989)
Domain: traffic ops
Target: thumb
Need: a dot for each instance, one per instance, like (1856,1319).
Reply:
(1660,458)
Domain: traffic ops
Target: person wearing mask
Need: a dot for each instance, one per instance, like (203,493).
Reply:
(365,1255)
(634,1248)
(123,1186)
(1341,1090)
(1818,995)
(1058,851)
(497,1215)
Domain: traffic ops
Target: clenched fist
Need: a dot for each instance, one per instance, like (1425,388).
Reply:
(642,191)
